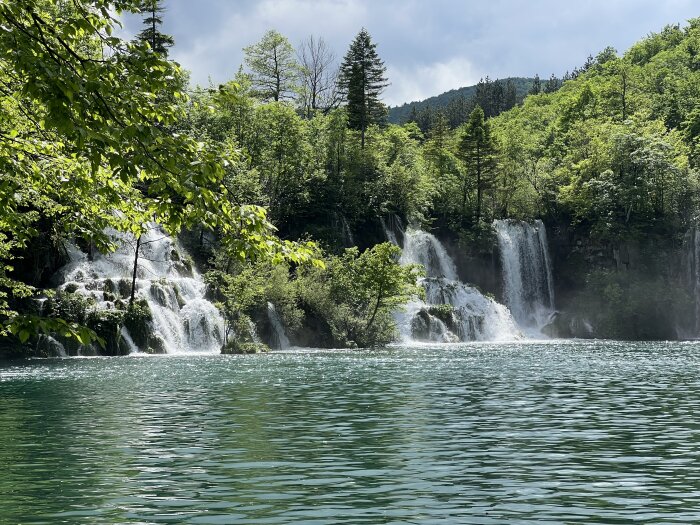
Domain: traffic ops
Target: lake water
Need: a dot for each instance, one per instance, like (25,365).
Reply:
(557,432)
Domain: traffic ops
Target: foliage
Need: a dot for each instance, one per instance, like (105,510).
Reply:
(358,292)
(361,82)
(26,327)
(495,96)
(87,141)
(612,149)
(274,71)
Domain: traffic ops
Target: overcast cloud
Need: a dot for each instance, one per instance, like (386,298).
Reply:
(429,46)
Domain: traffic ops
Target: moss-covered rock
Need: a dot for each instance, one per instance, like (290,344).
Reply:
(156,345)
(107,324)
(71,307)
(124,288)
(137,320)
(238,347)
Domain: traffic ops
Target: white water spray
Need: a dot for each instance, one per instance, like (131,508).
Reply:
(182,318)
(528,286)
(473,316)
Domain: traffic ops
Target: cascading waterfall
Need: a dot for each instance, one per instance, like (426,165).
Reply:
(472,316)
(393,229)
(348,237)
(182,319)
(528,287)
(423,248)
(279,341)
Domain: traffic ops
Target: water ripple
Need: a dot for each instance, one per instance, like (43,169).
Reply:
(550,432)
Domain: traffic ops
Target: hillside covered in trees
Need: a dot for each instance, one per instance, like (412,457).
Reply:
(496,95)
(280,181)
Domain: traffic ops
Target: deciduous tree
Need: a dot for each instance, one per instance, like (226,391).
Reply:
(274,70)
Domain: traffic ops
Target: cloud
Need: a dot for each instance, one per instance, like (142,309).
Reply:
(211,36)
(417,82)
(428,47)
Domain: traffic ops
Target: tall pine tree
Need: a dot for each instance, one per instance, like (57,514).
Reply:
(477,150)
(362,80)
(158,41)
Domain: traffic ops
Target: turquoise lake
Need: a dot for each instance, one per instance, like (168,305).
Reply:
(525,433)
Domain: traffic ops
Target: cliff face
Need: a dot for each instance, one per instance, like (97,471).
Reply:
(638,288)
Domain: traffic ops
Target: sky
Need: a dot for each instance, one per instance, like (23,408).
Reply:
(428,46)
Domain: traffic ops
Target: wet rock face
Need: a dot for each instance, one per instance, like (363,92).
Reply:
(420,326)
(566,325)
(428,328)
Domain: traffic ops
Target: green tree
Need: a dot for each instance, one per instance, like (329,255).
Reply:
(79,149)
(357,293)
(477,151)
(151,33)
(362,80)
(552,84)
(274,70)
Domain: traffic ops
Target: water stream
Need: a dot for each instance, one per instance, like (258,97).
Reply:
(183,320)
(528,287)
(470,316)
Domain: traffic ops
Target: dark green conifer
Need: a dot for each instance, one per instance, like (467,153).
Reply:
(362,80)
(477,150)
(158,41)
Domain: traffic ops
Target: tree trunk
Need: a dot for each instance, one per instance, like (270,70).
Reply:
(133,275)
(380,295)
(363,116)
(624,96)
(478,184)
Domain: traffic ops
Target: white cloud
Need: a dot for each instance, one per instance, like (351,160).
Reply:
(217,51)
(428,47)
(410,83)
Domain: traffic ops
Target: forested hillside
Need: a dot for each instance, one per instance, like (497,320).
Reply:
(499,95)
(271,176)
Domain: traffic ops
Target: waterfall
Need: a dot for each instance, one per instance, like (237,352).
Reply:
(253,332)
(470,316)
(183,320)
(347,232)
(528,287)
(280,341)
(423,248)
(393,229)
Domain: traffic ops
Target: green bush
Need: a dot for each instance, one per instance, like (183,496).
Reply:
(69,306)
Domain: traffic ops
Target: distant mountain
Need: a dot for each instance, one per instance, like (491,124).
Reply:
(401,114)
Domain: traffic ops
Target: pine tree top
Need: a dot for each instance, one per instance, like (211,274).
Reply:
(159,42)
(362,59)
